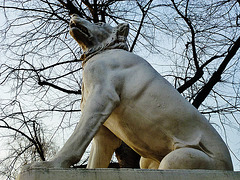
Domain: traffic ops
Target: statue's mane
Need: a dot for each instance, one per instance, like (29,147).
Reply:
(114,41)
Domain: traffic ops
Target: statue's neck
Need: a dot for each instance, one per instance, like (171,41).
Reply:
(88,54)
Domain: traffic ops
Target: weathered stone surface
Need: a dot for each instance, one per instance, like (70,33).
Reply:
(126,174)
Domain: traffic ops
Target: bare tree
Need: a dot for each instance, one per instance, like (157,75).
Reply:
(197,40)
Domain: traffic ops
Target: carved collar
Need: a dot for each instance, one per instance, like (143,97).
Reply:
(117,44)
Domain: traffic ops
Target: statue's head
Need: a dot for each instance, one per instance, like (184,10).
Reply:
(91,36)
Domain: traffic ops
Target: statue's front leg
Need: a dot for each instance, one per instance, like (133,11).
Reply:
(97,109)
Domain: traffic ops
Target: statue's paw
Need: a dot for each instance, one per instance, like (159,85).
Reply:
(43,164)
(26,167)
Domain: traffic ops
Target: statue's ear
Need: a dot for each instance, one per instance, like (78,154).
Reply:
(123,29)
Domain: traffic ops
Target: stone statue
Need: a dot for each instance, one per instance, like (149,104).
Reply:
(125,99)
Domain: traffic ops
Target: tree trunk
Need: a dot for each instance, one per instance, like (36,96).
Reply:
(127,158)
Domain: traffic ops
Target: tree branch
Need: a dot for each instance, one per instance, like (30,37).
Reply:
(42,83)
(187,20)
(199,73)
(69,6)
(144,13)
(216,77)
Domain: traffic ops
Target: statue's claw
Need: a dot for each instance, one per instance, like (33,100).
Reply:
(43,164)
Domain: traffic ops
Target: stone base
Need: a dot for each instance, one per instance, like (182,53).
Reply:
(126,174)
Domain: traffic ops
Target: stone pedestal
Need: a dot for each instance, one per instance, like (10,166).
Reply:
(126,174)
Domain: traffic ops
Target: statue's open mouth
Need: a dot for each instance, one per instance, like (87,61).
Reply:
(80,28)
